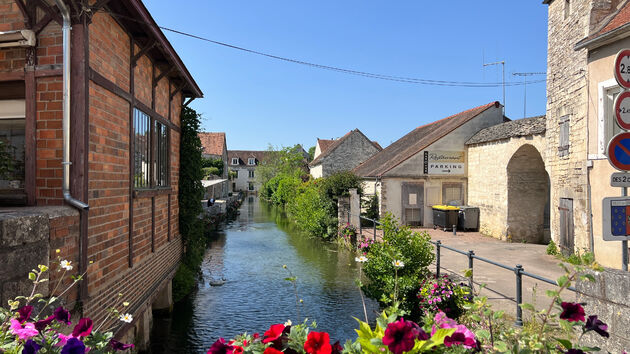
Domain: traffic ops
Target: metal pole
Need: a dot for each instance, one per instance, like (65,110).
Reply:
(360,228)
(471,253)
(503,65)
(454,230)
(437,257)
(524,96)
(519,294)
(624,243)
(374,223)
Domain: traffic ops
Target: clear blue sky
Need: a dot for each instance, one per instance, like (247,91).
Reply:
(257,100)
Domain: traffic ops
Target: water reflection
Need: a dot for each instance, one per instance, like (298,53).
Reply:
(244,263)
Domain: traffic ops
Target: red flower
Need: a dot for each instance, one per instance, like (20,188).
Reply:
(400,336)
(274,332)
(83,328)
(272,350)
(337,348)
(572,312)
(220,347)
(237,350)
(318,343)
(256,335)
(25,313)
(42,324)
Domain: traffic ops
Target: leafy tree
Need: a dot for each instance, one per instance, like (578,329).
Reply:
(208,171)
(311,153)
(371,207)
(287,161)
(216,163)
(312,211)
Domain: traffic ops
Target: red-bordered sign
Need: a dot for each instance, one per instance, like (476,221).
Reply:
(622,110)
(622,68)
(619,151)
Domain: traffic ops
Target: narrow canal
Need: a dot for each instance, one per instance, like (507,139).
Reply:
(249,292)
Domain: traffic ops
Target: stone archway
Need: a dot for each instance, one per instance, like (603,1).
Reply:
(528,196)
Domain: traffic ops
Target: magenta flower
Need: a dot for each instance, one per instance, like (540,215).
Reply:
(116,345)
(23,331)
(83,328)
(572,312)
(25,313)
(220,347)
(73,346)
(30,347)
(459,338)
(62,315)
(42,324)
(63,339)
(574,351)
(400,336)
(594,324)
(442,321)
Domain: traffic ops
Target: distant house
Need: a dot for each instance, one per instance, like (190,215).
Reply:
(427,166)
(244,163)
(342,154)
(214,146)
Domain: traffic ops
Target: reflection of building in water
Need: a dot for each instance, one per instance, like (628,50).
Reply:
(250,207)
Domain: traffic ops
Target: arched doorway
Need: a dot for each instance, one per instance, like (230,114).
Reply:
(528,196)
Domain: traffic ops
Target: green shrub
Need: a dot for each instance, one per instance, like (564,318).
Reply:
(413,249)
(371,207)
(312,212)
(216,163)
(286,190)
(184,282)
(338,184)
(552,249)
(211,171)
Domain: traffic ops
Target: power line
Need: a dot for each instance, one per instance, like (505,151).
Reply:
(338,69)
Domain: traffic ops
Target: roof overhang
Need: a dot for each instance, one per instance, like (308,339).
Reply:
(617,34)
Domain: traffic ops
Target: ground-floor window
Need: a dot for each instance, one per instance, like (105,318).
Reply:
(12,140)
(250,186)
(452,194)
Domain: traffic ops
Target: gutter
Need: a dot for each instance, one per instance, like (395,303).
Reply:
(67,196)
(601,40)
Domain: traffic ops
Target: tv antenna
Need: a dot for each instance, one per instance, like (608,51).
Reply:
(525,75)
(502,62)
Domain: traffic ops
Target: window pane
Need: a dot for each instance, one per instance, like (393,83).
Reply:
(142,142)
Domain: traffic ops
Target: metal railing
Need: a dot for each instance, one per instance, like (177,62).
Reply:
(518,269)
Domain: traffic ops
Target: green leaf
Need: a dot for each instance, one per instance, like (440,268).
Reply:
(483,334)
(499,314)
(562,281)
(565,343)
(528,306)
(468,273)
(32,276)
(588,277)
(500,347)
(552,293)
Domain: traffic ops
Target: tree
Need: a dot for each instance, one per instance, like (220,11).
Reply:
(287,161)
(311,153)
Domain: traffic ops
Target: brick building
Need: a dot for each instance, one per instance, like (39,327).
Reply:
(126,89)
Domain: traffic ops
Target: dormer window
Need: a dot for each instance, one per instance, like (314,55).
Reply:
(235,161)
(251,161)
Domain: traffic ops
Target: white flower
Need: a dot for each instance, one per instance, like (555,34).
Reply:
(361,259)
(398,263)
(66,265)
(126,317)
(288,323)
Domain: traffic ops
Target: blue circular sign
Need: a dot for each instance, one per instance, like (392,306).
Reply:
(619,151)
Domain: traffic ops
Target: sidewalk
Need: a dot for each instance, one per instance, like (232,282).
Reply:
(500,283)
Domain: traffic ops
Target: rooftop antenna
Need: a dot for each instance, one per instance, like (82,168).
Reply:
(525,75)
(502,62)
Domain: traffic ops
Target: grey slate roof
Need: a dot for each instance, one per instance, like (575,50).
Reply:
(511,129)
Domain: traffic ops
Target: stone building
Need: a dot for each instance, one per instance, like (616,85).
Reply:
(427,166)
(214,146)
(508,181)
(243,163)
(342,154)
(98,119)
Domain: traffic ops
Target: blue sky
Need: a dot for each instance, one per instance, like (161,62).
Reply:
(259,101)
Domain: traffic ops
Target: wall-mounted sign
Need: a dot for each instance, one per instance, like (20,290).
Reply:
(620,179)
(622,68)
(622,110)
(619,151)
(444,163)
(616,218)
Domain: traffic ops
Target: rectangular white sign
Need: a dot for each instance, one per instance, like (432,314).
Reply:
(620,179)
(444,163)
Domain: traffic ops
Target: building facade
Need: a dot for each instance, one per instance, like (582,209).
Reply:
(125,92)
(214,146)
(242,164)
(342,154)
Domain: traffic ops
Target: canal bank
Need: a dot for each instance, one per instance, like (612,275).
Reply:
(244,287)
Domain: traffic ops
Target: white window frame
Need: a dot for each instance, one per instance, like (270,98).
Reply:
(235,161)
(251,161)
(250,174)
(602,89)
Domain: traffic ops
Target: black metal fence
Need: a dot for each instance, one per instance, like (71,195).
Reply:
(518,269)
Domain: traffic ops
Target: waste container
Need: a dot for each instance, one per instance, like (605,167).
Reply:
(468,218)
(445,216)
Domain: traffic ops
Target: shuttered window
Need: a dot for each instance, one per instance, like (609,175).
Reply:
(563,136)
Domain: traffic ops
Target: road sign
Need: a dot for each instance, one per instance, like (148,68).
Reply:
(620,179)
(622,110)
(622,68)
(616,218)
(619,151)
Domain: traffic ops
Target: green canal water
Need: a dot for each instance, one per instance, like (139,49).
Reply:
(247,258)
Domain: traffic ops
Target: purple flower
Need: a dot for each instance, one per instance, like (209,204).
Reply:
(116,345)
(572,312)
(25,313)
(220,347)
(574,351)
(73,346)
(594,324)
(62,315)
(30,347)
(400,336)
(459,338)
(42,324)
(82,329)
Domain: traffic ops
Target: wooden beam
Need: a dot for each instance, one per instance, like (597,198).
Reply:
(177,90)
(162,75)
(30,144)
(24,11)
(132,148)
(98,5)
(48,73)
(188,102)
(108,85)
(12,76)
(142,52)
(51,10)
(39,26)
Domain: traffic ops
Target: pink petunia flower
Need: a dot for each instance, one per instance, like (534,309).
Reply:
(23,331)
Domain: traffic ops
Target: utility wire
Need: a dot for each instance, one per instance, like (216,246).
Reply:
(337,69)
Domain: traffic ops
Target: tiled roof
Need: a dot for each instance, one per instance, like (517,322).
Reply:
(244,155)
(616,23)
(335,143)
(416,141)
(324,144)
(512,129)
(213,143)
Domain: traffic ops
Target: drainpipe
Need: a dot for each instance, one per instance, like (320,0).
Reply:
(66,109)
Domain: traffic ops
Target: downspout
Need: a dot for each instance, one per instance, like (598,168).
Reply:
(66,109)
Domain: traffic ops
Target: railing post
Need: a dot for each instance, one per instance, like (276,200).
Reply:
(454,230)
(437,257)
(471,253)
(360,228)
(519,294)
(374,223)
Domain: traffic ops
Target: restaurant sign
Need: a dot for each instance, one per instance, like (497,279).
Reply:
(444,163)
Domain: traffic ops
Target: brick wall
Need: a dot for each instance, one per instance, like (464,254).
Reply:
(49,139)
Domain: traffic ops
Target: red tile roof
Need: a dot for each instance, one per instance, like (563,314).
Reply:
(213,143)
(621,18)
(615,23)
(324,144)
(416,141)
(244,155)
(330,147)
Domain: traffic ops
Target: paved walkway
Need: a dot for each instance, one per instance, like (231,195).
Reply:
(500,283)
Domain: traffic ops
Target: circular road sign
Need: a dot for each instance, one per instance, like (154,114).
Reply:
(619,151)
(622,68)
(622,110)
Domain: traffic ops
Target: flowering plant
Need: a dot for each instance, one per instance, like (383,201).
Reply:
(348,232)
(33,323)
(441,294)
(364,244)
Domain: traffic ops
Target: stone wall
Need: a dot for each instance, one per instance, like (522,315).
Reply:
(567,97)
(607,298)
(349,154)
